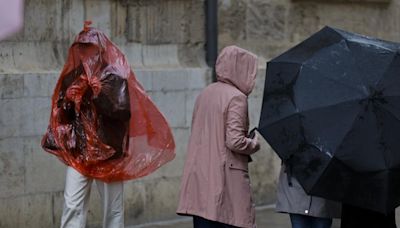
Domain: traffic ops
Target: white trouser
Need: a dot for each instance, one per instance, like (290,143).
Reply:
(76,196)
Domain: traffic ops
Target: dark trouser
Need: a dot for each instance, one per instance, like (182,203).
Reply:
(199,222)
(359,217)
(304,221)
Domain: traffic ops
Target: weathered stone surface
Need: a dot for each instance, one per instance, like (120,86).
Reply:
(26,211)
(31,181)
(175,167)
(353,17)
(99,12)
(24,116)
(6,56)
(43,43)
(151,200)
(30,56)
(133,22)
(172,105)
(135,201)
(173,21)
(255,99)
(32,92)
(35,119)
(264,171)
(160,56)
(39,85)
(192,55)
(169,80)
(195,16)
(38,165)
(58,203)
(12,168)
(72,14)
(304,20)
(190,102)
(11,86)
(119,17)
(163,23)
(266,19)
(198,78)
(133,53)
(272,26)
(145,78)
(258,90)
(232,20)
(42,21)
(161,197)
(164,42)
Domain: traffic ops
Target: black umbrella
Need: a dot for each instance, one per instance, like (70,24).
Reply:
(331,110)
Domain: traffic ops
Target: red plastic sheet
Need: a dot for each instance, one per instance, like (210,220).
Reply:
(102,122)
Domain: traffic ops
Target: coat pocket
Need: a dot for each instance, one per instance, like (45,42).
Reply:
(240,164)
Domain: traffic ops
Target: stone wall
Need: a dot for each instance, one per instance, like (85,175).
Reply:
(32,181)
(163,40)
(269,27)
(153,33)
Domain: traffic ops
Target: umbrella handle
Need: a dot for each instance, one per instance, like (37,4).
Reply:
(252,133)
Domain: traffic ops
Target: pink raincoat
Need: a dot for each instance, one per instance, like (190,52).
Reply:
(215,183)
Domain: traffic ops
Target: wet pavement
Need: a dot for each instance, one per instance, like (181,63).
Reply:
(266,217)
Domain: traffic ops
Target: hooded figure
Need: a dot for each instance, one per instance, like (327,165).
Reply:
(304,210)
(215,185)
(104,127)
(102,122)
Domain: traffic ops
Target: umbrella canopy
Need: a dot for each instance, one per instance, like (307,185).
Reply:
(331,110)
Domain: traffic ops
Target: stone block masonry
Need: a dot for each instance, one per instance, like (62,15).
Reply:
(164,42)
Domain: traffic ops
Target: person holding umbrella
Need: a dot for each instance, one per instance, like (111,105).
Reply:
(305,211)
(331,110)
(215,186)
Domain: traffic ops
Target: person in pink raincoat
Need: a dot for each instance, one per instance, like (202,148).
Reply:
(215,186)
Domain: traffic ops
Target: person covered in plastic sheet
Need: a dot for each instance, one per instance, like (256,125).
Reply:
(104,127)
(305,211)
(215,186)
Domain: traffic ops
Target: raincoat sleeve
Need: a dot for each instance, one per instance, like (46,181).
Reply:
(237,127)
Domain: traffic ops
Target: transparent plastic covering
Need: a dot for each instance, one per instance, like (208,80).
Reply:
(102,122)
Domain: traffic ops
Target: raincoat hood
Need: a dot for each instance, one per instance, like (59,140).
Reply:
(238,67)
